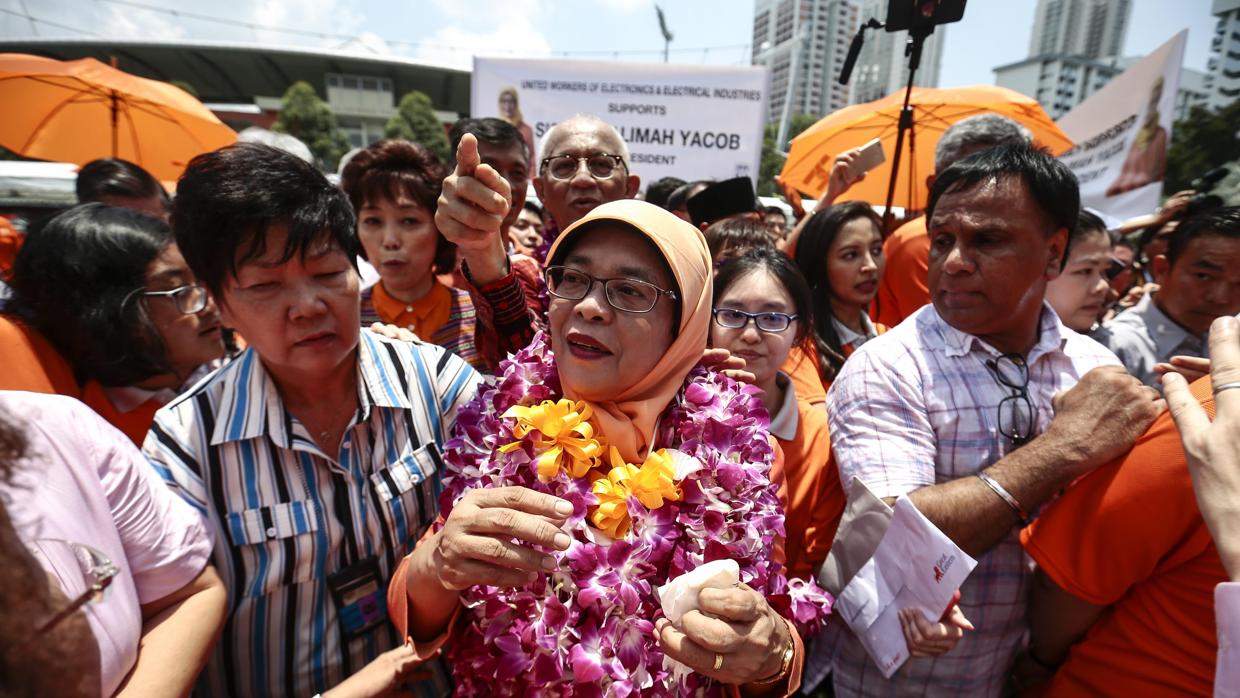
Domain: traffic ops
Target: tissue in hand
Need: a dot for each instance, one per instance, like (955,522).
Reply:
(680,595)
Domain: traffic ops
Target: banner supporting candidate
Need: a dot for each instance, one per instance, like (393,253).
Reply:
(1122,133)
(691,122)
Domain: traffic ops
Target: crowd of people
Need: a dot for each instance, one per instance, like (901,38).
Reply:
(229,465)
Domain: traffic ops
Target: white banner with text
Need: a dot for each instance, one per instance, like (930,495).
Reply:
(686,121)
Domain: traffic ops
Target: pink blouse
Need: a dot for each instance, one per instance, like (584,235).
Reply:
(84,482)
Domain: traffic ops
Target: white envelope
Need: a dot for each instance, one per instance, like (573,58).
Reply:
(915,566)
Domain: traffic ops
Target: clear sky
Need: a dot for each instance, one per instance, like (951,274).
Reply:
(993,32)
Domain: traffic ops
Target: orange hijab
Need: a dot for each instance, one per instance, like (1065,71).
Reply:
(629,420)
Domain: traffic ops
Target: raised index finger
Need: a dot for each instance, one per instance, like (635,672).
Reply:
(1225,364)
(467,155)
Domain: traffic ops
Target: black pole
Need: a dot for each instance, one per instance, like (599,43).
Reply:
(916,38)
(114,124)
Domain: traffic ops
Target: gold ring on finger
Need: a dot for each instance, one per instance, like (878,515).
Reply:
(718,661)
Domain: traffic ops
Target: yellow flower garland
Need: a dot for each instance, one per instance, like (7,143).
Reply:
(563,439)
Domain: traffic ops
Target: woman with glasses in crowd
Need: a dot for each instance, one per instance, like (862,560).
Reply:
(762,312)
(128,325)
(582,479)
(840,253)
(394,187)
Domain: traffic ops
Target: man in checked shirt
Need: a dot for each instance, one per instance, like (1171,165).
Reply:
(982,406)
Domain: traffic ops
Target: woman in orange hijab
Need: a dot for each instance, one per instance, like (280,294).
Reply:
(561,516)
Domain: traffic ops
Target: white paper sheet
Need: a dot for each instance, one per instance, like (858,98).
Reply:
(915,566)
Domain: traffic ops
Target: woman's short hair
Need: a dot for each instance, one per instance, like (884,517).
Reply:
(391,167)
(817,237)
(730,233)
(778,265)
(75,281)
(227,200)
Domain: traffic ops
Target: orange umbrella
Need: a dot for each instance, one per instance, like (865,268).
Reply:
(77,111)
(813,152)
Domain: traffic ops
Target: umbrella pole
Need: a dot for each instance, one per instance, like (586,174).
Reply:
(916,38)
(114,125)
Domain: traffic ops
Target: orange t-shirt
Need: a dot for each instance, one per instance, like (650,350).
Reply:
(814,497)
(134,423)
(904,287)
(29,362)
(1130,536)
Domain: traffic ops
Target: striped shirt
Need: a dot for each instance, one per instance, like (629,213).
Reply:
(284,515)
(917,406)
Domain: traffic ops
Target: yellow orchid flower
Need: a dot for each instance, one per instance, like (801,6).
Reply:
(652,484)
(563,437)
(612,513)
(655,480)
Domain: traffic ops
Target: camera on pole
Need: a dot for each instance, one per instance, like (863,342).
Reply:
(919,17)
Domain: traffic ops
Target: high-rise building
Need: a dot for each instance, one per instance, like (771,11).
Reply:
(1223,80)
(1090,29)
(803,43)
(882,67)
(1058,82)
(1073,52)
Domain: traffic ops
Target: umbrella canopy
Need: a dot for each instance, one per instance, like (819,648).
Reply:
(78,111)
(813,152)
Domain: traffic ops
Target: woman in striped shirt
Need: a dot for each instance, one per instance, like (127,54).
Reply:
(394,187)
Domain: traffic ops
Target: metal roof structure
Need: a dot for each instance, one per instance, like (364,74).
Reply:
(225,72)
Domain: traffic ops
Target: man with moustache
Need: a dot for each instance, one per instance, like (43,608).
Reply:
(903,288)
(982,406)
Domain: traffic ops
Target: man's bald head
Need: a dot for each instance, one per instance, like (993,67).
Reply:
(583,137)
(585,124)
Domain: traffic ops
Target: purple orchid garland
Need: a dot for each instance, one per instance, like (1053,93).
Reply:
(587,629)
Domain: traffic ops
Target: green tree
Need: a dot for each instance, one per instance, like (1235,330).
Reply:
(304,115)
(772,154)
(1204,140)
(771,163)
(415,121)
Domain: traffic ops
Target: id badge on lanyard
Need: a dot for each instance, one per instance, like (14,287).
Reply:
(361,597)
